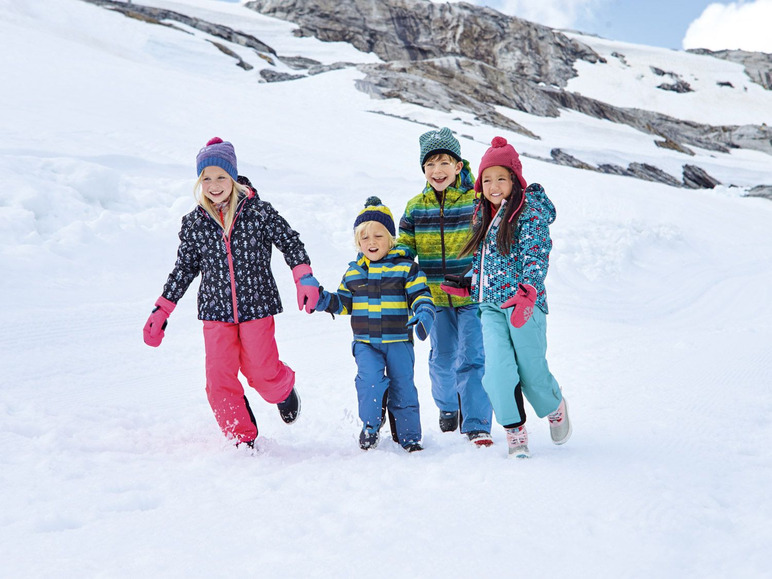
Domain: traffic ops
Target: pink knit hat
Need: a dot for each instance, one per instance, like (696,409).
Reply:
(501,154)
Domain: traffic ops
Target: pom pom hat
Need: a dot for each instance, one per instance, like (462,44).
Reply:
(500,154)
(217,153)
(376,211)
(436,142)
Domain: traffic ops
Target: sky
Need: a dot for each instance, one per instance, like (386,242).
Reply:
(111,463)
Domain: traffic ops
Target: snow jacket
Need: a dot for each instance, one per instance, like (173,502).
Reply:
(241,260)
(435,230)
(380,295)
(495,276)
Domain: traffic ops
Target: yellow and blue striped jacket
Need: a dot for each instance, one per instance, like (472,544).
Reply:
(380,295)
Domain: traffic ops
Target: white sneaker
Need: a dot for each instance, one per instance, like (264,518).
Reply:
(560,425)
(517,440)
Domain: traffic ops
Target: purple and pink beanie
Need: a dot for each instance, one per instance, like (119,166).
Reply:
(217,153)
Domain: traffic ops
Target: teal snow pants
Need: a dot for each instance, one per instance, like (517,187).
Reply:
(517,357)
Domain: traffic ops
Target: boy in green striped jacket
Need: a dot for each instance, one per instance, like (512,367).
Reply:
(435,227)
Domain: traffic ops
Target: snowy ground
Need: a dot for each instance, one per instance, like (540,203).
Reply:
(111,464)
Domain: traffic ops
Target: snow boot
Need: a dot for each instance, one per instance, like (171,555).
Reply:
(289,410)
(517,441)
(560,425)
(448,420)
(369,437)
(480,438)
(413,447)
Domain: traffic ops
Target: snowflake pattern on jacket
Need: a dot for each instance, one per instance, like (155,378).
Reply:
(244,257)
(494,276)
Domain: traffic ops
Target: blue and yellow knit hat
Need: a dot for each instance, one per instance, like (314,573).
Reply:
(436,142)
(217,153)
(376,211)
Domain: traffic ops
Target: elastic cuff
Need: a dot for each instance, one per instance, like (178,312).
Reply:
(300,270)
(165,305)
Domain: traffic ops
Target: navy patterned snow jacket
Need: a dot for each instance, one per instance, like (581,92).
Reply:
(242,260)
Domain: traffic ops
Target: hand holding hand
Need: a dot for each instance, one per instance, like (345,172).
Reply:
(523,303)
(324,300)
(153,331)
(307,286)
(457,285)
(423,320)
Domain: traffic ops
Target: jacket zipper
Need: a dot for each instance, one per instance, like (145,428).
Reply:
(231,271)
(442,241)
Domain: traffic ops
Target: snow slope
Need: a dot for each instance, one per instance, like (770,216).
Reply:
(111,464)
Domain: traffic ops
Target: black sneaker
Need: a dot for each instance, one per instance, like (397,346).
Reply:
(369,437)
(413,447)
(448,420)
(289,410)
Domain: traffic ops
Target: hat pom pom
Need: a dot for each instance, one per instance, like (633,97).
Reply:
(498,142)
(373,201)
(214,141)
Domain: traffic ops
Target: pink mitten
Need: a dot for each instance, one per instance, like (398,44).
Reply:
(308,287)
(153,332)
(459,292)
(522,302)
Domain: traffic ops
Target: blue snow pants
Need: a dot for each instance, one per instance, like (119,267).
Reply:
(456,366)
(517,356)
(382,366)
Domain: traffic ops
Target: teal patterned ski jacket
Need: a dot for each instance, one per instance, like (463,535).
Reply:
(494,276)
(380,295)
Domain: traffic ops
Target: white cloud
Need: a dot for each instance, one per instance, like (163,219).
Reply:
(738,25)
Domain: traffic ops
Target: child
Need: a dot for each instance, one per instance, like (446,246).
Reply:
(435,226)
(511,245)
(379,290)
(227,238)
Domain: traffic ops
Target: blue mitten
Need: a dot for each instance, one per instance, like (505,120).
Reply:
(423,321)
(324,300)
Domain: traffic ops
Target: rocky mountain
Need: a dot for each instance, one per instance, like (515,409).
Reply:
(457,56)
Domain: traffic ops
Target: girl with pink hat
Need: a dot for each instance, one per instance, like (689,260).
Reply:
(510,245)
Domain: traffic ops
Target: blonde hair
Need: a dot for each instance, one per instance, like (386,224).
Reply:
(233,202)
(365,227)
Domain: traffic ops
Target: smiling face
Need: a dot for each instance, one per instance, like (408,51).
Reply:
(374,240)
(496,184)
(441,171)
(216,184)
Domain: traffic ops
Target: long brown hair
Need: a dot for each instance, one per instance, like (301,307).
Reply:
(513,209)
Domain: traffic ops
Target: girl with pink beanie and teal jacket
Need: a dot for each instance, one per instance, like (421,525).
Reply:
(510,245)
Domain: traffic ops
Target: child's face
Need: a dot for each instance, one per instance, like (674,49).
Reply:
(441,172)
(216,184)
(374,241)
(496,184)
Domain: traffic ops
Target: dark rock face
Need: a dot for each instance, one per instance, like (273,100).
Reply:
(697,178)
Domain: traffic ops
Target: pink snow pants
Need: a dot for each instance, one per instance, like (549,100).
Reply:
(251,348)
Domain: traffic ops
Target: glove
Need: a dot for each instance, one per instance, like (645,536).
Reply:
(457,285)
(153,331)
(423,320)
(308,287)
(324,300)
(522,302)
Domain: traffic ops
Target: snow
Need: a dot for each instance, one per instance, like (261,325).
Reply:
(111,463)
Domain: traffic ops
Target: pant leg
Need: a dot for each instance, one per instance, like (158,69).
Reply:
(259,361)
(442,359)
(540,387)
(403,395)
(501,370)
(371,382)
(475,405)
(223,388)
